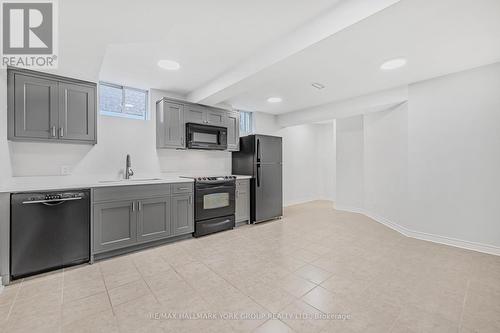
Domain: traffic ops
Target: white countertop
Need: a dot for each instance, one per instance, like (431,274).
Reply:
(25,184)
(243,177)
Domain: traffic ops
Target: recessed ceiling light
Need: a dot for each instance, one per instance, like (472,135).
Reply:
(274,99)
(169,65)
(393,64)
(317,85)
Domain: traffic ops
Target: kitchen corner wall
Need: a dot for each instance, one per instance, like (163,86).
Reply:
(5,168)
(308,158)
(429,168)
(116,138)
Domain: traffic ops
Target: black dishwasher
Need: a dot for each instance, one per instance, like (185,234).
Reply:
(48,230)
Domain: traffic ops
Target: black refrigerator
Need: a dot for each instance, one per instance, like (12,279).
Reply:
(260,156)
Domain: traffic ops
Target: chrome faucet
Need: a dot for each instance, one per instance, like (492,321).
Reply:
(128,168)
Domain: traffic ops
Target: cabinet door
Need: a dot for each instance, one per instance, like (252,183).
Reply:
(76,112)
(170,125)
(196,114)
(182,214)
(153,219)
(115,225)
(242,209)
(233,131)
(215,117)
(35,107)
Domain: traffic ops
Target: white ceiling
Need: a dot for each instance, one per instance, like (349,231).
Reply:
(436,36)
(121,41)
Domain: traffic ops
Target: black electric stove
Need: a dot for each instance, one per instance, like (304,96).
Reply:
(214,204)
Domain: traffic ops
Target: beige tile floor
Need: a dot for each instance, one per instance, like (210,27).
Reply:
(315,261)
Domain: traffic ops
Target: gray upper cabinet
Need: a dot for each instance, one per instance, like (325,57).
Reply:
(216,117)
(182,214)
(170,130)
(153,219)
(233,131)
(33,113)
(200,114)
(115,225)
(76,112)
(45,107)
(173,115)
(196,114)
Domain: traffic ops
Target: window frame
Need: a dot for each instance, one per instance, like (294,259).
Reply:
(251,125)
(122,106)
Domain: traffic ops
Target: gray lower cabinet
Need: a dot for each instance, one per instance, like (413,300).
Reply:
(45,107)
(154,216)
(242,210)
(182,213)
(124,216)
(170,130)
(115,225)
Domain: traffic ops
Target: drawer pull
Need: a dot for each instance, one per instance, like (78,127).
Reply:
(183,188)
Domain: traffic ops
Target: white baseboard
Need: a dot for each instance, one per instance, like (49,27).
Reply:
(468,245)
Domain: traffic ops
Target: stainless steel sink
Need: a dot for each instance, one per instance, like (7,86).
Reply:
(141,179)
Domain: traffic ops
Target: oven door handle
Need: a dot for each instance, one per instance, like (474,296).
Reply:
(220,223)
(216,188)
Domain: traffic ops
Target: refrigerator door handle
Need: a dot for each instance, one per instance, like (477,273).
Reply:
(258,175)
(258,150)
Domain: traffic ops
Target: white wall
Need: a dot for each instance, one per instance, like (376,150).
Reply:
(5,170)
(116,138)
(429,168)
(327,155)
(385,163)
(308,158)
(264,123)
(454,156)
(350,163)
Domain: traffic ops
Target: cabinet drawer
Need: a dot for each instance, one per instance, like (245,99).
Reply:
(130,192)
(182,188)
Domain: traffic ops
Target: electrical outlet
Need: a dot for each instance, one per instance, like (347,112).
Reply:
(65,170)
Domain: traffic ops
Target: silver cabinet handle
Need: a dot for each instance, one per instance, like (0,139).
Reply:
(133,206)
(61,132)
(190,199)
(183,188)
(53,131)
(139,206)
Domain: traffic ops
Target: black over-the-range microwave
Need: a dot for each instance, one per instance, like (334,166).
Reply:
(206,137)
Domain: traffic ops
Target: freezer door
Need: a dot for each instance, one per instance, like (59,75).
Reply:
(268,149)
(268,195)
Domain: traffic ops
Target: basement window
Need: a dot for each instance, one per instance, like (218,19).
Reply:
(122,101)
(246,123)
